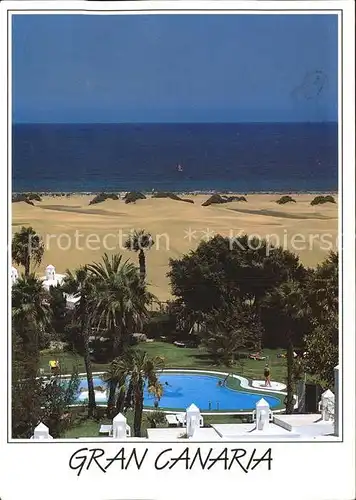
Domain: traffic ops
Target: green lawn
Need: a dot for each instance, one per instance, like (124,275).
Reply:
(176,357)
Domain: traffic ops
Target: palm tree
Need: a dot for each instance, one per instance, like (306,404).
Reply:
(115,377)
(121,299)
(120,307)
(323,289)
(138,369)
(289,303)
(31,314)
(140,241)
(79,284)
(27,247)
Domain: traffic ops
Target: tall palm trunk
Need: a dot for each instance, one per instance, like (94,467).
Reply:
(138,409)
(122,394)
(27,265)
(85,327)
(118,335)
(142,264)
(116,348)
(257,306)
(290,364)
(111,399)
(30,351)
(89,371)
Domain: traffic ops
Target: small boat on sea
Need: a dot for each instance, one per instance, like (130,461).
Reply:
(179,168)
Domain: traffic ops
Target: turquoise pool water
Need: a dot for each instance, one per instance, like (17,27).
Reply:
(180,390)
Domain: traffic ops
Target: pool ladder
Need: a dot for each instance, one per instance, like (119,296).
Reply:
(217,405)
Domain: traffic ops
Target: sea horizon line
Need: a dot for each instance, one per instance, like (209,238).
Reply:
(301,122)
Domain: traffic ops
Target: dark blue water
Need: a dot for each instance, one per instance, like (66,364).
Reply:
(183,389)
(235,157)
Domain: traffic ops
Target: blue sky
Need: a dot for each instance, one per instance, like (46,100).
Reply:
(174,68)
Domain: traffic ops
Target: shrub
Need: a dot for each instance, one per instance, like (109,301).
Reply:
(21,197)
(99,198)
(44,340)
(170,195)
(26,197)
(235,198)
(218,199)
(33,197)
(160,324)
(155,418)
(214,199)
(320,200)
(133,196)
(285,199)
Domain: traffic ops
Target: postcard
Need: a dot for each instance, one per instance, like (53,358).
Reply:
(180,250)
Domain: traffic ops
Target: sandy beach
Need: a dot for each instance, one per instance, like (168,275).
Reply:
(76,233)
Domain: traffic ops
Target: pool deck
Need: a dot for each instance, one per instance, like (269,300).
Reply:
(290,422)
(249,431)
(275,386)
(164,434)
(303,429)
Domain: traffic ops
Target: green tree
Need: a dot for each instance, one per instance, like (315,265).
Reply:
(322,353)
(223,270)
(31,317)
(322,342)
(138,368)
(229,330)
(121,300)
(139,242)
(323,289)
(26,400)
(115,377)
(58,394)
(27,248)
(31,314)
(58,305)
(79,284)
(289,305)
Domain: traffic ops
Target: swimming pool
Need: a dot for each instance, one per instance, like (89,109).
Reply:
(180,390)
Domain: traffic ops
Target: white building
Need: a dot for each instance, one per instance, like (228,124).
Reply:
(14,275)
(51,278)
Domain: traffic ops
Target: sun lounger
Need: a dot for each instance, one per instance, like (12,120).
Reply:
(257,357)
(181,418)
(105,429)
(172,420)
(180,344)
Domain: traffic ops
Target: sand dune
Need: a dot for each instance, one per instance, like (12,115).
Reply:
(77,233)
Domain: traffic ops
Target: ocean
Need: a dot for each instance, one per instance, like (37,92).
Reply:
(254,157)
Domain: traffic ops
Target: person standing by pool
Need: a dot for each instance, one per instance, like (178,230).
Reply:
(54,366)
(267,376)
